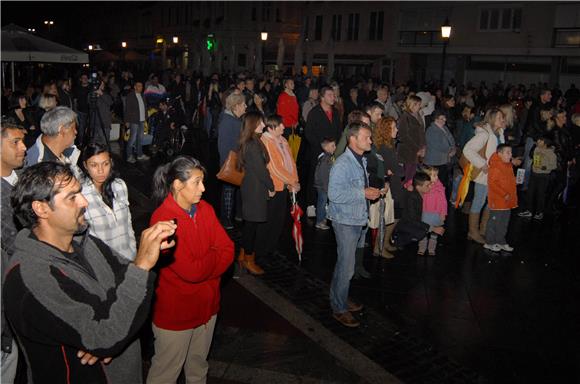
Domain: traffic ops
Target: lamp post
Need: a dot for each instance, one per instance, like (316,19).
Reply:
(263,38)
(445,34)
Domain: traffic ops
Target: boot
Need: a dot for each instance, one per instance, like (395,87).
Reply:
(484,220)
(377,247)
(374,233)
(241,258)
(250,264)
(422,246)
(386,254)
(388,234)
(359,268)
(473,233)
(432,246)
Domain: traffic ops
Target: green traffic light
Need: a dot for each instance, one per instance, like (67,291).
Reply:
(209,44)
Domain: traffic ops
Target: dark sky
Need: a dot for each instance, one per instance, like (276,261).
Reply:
(67,16)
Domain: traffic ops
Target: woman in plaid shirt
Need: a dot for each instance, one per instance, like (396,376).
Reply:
(108,212)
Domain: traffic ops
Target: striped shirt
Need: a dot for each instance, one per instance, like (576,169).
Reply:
(112,226)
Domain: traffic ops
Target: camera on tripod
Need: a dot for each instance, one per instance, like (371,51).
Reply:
(94,84)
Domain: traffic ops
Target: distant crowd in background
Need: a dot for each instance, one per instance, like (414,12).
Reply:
(361,156)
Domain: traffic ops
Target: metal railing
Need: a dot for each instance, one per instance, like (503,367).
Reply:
(420,39)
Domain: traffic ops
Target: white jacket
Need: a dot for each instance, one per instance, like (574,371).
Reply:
(483,135)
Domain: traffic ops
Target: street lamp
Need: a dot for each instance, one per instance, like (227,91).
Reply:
(445,35)
(175,39)
(49,24)
(264,38)
(124,44)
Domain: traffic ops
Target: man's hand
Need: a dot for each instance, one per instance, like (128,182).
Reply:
(87,358)
(439,230)
(485,168)
(372,193)
(154,239)
(271,193)
(507,196)
(517,162)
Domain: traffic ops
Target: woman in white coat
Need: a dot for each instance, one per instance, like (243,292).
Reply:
(478,150)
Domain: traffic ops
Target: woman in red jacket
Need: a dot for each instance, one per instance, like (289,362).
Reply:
(188,289)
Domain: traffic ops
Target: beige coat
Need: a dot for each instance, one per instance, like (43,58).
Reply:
(483,134)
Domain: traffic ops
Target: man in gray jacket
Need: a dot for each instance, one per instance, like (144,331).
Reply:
(348,192)
(135,116)
(66,292)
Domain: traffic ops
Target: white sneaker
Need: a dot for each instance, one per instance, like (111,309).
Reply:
(311,211)
(492,247)
(506,247)
(143,157)
(131,160)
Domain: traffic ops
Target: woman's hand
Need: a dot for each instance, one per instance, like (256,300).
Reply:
(294,188)
(271,193)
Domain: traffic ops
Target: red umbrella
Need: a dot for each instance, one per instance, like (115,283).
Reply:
(296,213)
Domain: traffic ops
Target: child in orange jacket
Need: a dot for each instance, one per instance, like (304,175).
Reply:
(502,198)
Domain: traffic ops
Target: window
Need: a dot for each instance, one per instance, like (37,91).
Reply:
(353,24)
(266,10)
(376,25)
(336,32)
(500,19)
(318,28)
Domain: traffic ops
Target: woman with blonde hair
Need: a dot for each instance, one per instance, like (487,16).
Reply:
(385,139)
(478,150)
(411,136)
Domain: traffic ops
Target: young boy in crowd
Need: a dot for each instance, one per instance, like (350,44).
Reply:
(321,176)
(544,162)
(502,198)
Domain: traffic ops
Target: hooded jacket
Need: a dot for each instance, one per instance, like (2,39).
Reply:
(188,290)
(501,182)
(59,305)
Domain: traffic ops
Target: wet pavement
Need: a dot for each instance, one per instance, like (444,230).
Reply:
(463,316)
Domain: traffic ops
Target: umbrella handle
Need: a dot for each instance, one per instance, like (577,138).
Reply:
(293,198)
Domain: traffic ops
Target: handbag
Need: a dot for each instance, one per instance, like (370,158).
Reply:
(229,171)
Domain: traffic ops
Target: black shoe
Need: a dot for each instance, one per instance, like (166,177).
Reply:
(227,224)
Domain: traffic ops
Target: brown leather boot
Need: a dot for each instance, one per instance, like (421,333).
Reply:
(241,258)
(251,266)
(473,233)
(484,220)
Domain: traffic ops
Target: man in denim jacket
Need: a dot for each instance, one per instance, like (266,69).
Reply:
(348,192)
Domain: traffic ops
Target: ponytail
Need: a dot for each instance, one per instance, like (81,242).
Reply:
(178,169)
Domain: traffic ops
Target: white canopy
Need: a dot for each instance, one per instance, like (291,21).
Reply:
(19,45)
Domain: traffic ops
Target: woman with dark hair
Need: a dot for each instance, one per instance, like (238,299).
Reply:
(257,188)
(284,174)
(24,115)
(188,288)
(108,212)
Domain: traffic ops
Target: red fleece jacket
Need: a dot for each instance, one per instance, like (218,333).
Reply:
(188,290)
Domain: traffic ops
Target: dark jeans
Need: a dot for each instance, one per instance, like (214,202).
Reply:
(497,226)
(537,188)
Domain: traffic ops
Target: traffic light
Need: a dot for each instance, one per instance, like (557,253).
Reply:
(210,43)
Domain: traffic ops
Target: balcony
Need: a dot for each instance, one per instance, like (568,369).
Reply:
(566,38)
(420,38)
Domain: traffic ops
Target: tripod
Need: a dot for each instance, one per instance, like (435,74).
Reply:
(95,120)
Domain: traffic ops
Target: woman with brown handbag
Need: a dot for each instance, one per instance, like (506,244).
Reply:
(257,188)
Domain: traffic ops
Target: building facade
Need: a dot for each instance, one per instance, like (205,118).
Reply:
(516,42)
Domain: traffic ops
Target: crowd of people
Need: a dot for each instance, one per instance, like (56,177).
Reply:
(386,161)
